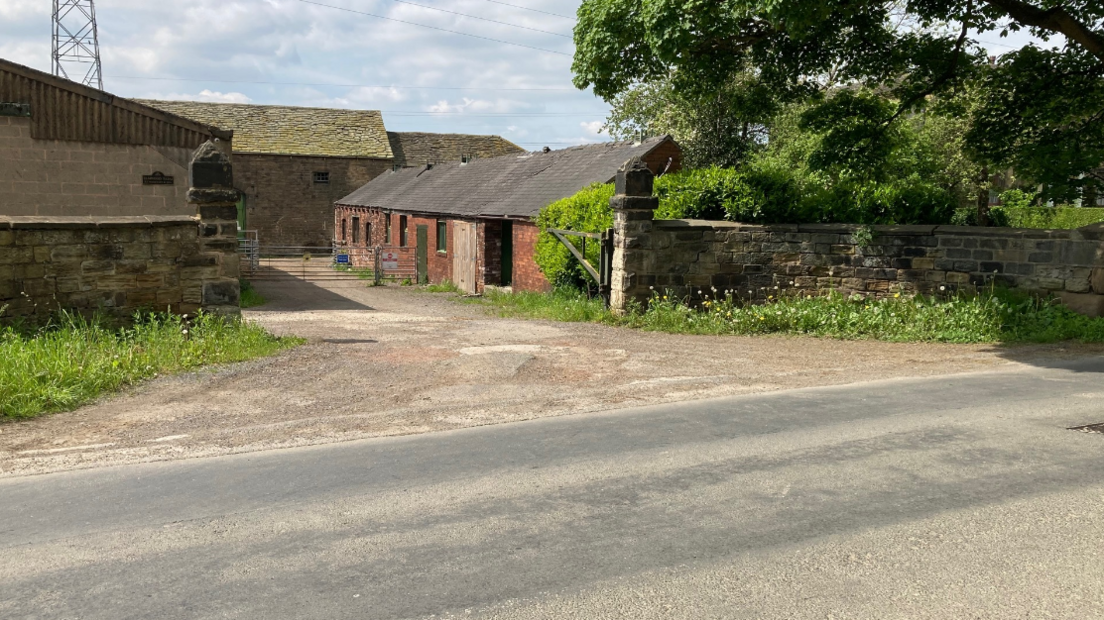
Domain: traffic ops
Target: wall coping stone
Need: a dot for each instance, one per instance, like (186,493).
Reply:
(32,222)
(1089,233)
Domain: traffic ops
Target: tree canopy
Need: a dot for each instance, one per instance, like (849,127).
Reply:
(868,63)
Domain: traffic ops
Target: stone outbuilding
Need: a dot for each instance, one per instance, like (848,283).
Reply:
(70,150)
(292,163)
(473,223)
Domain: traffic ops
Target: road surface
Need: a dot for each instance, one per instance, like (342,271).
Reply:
(956,497)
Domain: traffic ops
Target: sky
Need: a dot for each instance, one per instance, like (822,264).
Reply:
(508,73)
(294,52)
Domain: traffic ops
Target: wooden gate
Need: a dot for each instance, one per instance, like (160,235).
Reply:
(463,256)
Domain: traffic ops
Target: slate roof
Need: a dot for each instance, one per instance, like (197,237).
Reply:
(511,185)
(287,130)
(413,148)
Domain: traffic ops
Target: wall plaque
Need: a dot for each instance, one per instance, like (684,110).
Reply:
(156,178)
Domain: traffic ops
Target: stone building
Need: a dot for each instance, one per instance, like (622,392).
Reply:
(473,223)
(412,149)
(70,150)
(292,163)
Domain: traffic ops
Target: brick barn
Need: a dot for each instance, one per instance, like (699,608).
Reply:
(473,223)
(71,150)
(292,163)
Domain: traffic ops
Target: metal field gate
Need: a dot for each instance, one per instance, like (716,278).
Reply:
(300,262)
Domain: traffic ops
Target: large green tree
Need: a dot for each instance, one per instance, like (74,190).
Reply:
(1040,110)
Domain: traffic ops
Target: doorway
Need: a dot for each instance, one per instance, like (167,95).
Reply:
(507,253)
(423,254)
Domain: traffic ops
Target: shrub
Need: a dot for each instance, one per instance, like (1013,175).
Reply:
(586,211)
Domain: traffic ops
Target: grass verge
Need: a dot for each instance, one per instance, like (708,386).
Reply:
(73,360)
(992,317)
(250,298)
(448,286)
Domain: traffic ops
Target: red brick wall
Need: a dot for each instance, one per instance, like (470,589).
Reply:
(657,159)
(439,263)
(527,276)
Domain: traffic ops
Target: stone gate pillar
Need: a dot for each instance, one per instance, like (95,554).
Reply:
(633,210)
(214,270)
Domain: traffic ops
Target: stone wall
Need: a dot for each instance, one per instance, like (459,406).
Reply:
(284,204)
(63,178)
(115,265)
(687,256)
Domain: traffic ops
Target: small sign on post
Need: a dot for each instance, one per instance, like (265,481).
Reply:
(157,178)
(342,259)
(390,260)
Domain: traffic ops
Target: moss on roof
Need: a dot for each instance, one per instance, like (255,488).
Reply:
(412,148)
(287,130)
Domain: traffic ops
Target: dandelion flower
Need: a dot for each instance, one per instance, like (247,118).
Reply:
(942,288)
(896,295)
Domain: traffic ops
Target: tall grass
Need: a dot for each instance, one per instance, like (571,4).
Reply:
(250,298)
(994,316)
(74,360)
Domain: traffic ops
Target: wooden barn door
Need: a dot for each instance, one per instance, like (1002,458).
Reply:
(463,256)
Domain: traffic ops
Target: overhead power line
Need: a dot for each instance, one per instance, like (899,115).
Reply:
(484,19)
(525,8)
(173,79)
(402,21)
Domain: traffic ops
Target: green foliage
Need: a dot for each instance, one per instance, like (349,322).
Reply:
(586,211)
(1038,111)
(713,127)
(994,317)
(1046,217)
(250,298)
(73,360)
(448,286)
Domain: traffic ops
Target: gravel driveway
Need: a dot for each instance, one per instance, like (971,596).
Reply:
(392,361)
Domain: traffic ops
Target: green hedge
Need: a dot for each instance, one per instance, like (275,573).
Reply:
(1046,217)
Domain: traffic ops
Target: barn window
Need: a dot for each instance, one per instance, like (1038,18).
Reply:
(402,231)
(442,236)
(344,229)
(367,233)
(356,230)
(387,228)
(322,177)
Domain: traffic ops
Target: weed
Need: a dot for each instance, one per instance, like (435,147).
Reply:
(991,316)
(447,286)
(250,298)
(73,360)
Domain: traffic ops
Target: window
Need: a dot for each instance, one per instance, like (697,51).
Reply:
(442,236)
(343,230)
(368,233)
(356,230)
(402,231)
(322,178)
(387,228)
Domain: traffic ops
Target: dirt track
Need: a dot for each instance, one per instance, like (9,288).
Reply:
(390,361)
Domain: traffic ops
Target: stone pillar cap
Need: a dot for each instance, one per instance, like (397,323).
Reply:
(634,179)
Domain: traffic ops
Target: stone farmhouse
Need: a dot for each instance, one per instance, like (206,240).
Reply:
(292,163)
(473,223)
(71,150)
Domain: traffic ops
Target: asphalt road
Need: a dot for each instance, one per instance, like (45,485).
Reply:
(958,497)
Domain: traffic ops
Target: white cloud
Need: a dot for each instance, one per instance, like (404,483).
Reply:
(293,53)
(208,96)
(593,127)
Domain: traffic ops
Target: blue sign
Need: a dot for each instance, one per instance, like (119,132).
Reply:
(342,259)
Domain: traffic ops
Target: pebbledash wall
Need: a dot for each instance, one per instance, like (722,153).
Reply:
(687,256)
(118,265)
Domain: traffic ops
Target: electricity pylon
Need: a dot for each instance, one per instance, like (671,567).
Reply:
(76,46)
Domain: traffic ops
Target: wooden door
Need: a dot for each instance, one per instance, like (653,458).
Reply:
(463,256)
(423,255)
